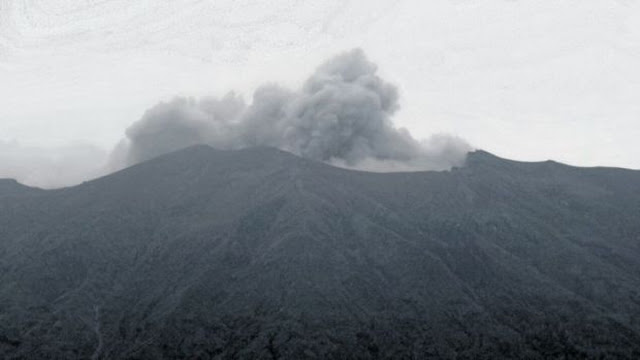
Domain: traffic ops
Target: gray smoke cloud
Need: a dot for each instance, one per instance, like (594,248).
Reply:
(341,115)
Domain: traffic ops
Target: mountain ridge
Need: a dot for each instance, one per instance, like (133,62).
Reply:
(258,253)
(476,157)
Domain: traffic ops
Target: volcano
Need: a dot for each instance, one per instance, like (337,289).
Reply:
(260,254)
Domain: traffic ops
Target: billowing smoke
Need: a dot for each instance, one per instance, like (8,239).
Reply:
(341,115)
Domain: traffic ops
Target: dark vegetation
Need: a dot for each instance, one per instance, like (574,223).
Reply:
(205,254)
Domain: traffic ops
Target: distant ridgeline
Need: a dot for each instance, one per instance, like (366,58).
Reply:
(12,187)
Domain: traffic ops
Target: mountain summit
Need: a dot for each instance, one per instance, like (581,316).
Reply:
(258,253)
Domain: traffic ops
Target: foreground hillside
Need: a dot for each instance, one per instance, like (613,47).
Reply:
(260,254)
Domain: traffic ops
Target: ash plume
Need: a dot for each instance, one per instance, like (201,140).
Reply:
(341,115)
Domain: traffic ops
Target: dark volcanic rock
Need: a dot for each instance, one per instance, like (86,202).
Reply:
(260,254)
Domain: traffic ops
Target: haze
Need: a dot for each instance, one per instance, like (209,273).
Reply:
(522,79)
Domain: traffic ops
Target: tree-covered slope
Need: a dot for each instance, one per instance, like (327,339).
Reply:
(260,254)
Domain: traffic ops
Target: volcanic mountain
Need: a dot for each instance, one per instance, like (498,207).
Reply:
(259,254)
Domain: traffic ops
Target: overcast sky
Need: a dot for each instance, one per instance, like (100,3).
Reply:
(528,80)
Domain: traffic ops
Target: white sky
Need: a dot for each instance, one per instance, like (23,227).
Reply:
(528,80)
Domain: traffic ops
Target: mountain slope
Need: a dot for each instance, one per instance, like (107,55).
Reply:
(10,187)
(260,254)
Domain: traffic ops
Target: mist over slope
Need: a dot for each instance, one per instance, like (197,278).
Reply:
(51,167)
(341,115)
(258,253)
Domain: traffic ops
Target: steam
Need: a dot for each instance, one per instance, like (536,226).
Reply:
(341,115)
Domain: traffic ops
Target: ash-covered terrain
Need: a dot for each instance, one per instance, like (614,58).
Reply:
(260,254)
